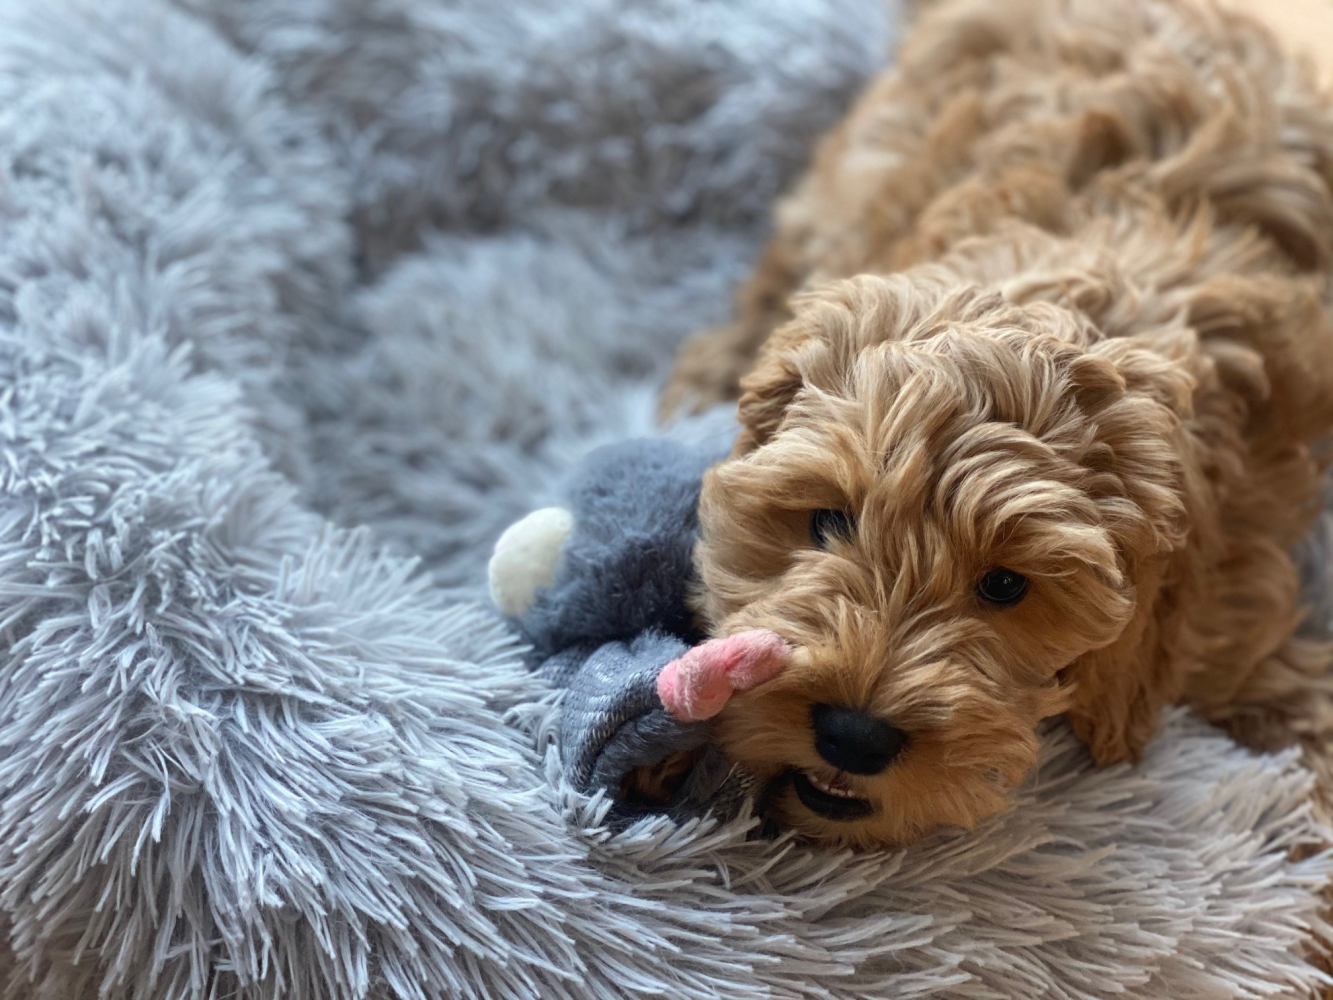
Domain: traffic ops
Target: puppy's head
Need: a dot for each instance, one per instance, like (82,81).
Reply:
(946,504)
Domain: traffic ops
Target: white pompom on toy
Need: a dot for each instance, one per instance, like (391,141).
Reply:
(525,557)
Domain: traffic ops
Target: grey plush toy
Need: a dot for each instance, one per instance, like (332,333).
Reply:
(599,588)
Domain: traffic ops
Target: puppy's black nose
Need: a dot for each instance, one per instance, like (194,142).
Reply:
(853,741)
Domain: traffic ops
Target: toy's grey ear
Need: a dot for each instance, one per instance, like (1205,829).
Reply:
(525,557)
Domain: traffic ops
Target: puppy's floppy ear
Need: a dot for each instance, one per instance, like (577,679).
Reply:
(1145,480)
(771,386)
(1119,691)
(830,324)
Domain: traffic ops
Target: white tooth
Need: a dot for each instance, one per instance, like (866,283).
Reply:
(827,788)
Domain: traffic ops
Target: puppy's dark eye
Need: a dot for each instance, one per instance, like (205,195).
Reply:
(1002,586)
(825,525)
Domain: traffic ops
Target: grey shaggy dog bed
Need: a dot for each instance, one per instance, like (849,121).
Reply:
(303,301)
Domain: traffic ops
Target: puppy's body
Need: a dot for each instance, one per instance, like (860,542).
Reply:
(1085,338)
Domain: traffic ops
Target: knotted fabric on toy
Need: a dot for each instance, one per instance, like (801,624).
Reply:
(599,588)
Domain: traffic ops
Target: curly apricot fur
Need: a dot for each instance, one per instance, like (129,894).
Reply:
(1053,297)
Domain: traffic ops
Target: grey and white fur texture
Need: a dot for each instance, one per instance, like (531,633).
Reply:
(257,356)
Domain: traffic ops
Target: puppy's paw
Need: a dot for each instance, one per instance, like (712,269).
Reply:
(699,684)
(525,557)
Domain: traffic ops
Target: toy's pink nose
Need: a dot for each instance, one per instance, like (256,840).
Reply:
(700,683)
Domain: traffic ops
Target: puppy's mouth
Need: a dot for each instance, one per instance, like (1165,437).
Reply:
(831,798)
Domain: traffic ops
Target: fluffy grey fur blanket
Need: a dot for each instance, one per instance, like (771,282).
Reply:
(303,301)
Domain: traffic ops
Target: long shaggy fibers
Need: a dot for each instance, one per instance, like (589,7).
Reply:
(247,751)
(479,113)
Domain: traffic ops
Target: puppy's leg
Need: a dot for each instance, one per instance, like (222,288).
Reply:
(1287,698)
(708,368)
(709,365)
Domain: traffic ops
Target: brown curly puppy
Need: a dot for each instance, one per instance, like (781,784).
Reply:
(1045,448)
